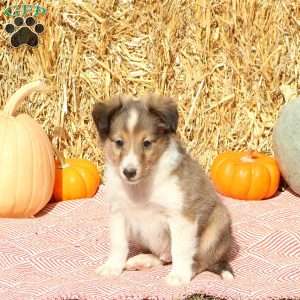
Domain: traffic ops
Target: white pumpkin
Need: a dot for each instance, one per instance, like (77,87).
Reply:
(286,143)
(26,159)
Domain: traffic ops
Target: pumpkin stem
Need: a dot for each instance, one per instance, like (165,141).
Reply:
(249,157)
(16,99)
(57,134)
(60,157)
(252,154)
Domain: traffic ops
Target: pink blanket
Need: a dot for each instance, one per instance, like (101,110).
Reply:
(54,256)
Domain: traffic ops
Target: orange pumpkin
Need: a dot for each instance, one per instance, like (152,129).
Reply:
(74,179)
(245,175)
(26,160)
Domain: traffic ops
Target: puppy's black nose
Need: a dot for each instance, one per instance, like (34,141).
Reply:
(129,173)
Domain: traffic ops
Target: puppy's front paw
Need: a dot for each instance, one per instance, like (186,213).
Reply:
(177,279)
(109,270)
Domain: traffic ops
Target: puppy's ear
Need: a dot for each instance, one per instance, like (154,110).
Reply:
(102,115)
(165,109)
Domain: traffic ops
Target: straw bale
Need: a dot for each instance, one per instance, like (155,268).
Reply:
(223,61)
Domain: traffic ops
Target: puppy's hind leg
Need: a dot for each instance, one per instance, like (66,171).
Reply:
(223,269)
(214,245)
(142,261)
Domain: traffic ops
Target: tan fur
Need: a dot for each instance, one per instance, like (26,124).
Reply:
(201,203)
(216,239)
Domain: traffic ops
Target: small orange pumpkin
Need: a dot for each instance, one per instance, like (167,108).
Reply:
(74,179)
(245,175)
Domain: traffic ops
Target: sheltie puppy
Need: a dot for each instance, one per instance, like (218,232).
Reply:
(159,196)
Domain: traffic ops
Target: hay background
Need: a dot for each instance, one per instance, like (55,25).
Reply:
(224,62)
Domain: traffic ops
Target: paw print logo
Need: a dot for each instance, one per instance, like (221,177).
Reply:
(24,32)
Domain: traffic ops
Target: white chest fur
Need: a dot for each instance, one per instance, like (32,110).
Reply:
(149,228)
(147,214)
(147,208)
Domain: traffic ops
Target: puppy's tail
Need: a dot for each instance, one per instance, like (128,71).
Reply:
(223,269)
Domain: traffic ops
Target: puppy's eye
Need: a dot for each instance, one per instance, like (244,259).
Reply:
(119,143)
(147,144)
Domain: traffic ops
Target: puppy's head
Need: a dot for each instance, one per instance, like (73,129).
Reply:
(135,133)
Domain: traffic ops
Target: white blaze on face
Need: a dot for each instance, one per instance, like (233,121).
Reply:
(131,161)
(132,120)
